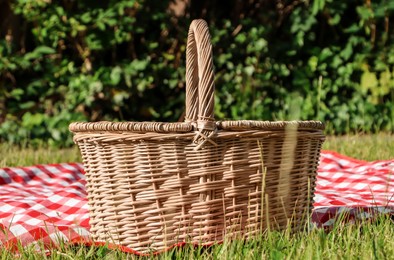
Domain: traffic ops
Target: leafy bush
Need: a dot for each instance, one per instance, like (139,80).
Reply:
(64,61)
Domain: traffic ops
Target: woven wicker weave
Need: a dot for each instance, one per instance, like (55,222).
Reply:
(151,185)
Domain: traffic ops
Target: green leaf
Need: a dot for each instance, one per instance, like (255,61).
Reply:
(111,22)
(347,52)
(153,45)
(380,11)
(86,17)
(385,82)
(45,50)
(324,54)
(353,28)
(39,52)
(260,44)
(317,6)
(29,120)
(116,75)
(17,93)
(96,86)
(141,86)
(100,25)
(365,12)
(249,70)
(369,81)
(334,20)
(27,105)
(56,134)
(139,65)
(168,56)
(240,38)
(31,56)
(313,62)
(119,96)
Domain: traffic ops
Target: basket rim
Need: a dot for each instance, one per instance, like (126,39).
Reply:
(186,127)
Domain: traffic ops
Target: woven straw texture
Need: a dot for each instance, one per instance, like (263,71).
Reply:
(151,185)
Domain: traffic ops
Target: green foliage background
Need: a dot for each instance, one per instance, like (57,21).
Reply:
(65,61)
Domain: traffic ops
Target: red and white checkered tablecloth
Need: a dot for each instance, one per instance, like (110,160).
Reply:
(47,203)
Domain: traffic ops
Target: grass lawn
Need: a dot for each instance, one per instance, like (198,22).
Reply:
(363,147)
(369,240)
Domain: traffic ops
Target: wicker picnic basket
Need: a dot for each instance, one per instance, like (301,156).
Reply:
(151,185)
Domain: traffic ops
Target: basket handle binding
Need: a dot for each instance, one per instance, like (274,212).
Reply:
(200,85)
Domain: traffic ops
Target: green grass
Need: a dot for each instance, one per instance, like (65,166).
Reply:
(363,147)
(16,156)
(367,240)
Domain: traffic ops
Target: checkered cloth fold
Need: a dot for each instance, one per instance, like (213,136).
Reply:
(48,203)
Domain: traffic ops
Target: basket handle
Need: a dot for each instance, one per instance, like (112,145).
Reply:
(200,86)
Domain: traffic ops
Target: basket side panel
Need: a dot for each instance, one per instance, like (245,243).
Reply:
(243,173)
(137,191)
(271,180)
(206,169)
